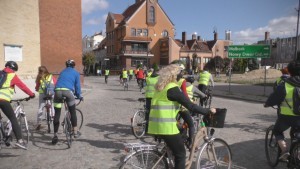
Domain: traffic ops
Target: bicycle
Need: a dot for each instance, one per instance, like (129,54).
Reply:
(138,121)
(67,126)
(125,84)
(6,129)
(49,113)
(212,153)
(141,84)
(273,150)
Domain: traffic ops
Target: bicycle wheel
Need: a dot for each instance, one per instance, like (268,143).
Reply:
(24,128)
(145,159)
(79,116)
(138,124)
(222,152)
(295,155)
(68,131)
(272,149)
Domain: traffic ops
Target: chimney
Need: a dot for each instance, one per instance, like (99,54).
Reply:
(199,38)
(194,36)
(215,36)
(267,35)
(183,38)
(227,35)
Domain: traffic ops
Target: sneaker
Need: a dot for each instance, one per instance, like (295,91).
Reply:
(22,145)
(77,134)
(284,156)
(54,140)
(38,127)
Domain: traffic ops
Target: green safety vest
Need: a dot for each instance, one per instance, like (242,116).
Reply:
(204,78)
(180,81)
(131,72)
(107,72)
(150,81)
(124,74)
(43,85)
(189,91)
(162,120)
(7,92)
(149,74)
(286,107)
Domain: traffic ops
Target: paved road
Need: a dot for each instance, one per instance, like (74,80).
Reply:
(107,111)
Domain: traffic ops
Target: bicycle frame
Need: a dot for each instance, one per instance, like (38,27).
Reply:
(18,112)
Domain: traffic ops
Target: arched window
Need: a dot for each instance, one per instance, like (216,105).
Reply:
(165,33)
(152,15)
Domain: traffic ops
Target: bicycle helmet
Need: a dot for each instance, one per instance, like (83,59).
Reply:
(70,63)
(190,79)
(12,65)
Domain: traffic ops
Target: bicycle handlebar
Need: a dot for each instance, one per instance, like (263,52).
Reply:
(20,100)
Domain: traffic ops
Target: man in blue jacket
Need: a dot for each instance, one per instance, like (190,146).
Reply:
(68,85)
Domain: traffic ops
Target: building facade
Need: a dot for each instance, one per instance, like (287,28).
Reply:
(35,33)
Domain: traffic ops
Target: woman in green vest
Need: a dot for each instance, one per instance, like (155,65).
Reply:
(283,98)
(164,109)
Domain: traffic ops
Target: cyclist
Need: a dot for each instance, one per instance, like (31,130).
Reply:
(141,77)
(283,98)
(67,84)
(130,74)
(6,94)
(42,80)
(124,76)
(204,78)
(106,74)
(285,75)
(164,109)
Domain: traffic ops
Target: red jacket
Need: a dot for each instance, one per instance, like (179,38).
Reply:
(140,74)
(17,82)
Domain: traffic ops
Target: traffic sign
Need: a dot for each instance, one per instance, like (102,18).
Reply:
(249,51)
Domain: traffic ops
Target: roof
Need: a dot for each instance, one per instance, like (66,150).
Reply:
(211,43)
(201,46)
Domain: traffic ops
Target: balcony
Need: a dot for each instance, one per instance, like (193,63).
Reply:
(137,53)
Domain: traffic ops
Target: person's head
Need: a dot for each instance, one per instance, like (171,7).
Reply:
(168,74)
(294,68)
(70,63)
(190,79)
(12,65)
(284,71)
(43,70)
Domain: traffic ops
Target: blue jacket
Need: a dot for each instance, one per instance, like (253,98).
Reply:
(69,78)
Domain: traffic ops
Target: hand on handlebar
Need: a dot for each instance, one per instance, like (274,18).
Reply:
(213,110)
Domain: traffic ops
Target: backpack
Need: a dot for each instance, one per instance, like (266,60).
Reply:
(296,100)
(49,87)
(3,77)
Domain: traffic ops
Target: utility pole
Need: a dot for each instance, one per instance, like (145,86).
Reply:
(296,48)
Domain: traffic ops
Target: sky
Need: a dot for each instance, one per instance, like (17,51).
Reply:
(248,20)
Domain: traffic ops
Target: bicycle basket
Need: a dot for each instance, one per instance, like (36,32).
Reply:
(216,120)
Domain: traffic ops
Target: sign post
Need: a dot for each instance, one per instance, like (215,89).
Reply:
(249,51)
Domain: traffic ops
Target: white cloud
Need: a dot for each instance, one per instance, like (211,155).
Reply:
(278,27)
(94,21)
(89,6)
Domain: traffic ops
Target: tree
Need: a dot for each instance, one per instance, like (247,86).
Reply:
(88,60)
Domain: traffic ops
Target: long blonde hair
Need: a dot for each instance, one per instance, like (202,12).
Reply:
(43,73)
(167,75)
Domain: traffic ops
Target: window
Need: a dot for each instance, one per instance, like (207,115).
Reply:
(165,33)
(133,32)
(152,15)
(139,32)
(145,32)
(206,60)
(138,61)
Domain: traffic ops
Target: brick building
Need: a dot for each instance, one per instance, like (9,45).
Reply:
(35,33)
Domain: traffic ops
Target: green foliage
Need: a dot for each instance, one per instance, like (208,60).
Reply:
(88,59)
(253,64)
(155,66)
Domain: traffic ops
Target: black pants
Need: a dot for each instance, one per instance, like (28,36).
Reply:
(9,113)
(175,143)
(188,119)
(148,106)
(283,123)
(203,89)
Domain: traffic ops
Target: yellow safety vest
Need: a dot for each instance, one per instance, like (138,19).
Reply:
(189,91)
(107,72)
(162,120)
(180,81)
(125,75)
(151,81)
(131,72)
(286,107)
(204,78)
(7,92)
(43,85)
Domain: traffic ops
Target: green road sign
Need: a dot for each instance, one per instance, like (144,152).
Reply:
(249,51)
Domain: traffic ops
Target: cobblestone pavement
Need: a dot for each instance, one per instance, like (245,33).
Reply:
(107,111)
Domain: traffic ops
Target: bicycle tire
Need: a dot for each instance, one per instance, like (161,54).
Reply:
(1,136)
(138,124)
(24,128)
(295,155)
(49,120)
(79,116)
(68,131)
(272,149)
(145,159)
(205,158)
